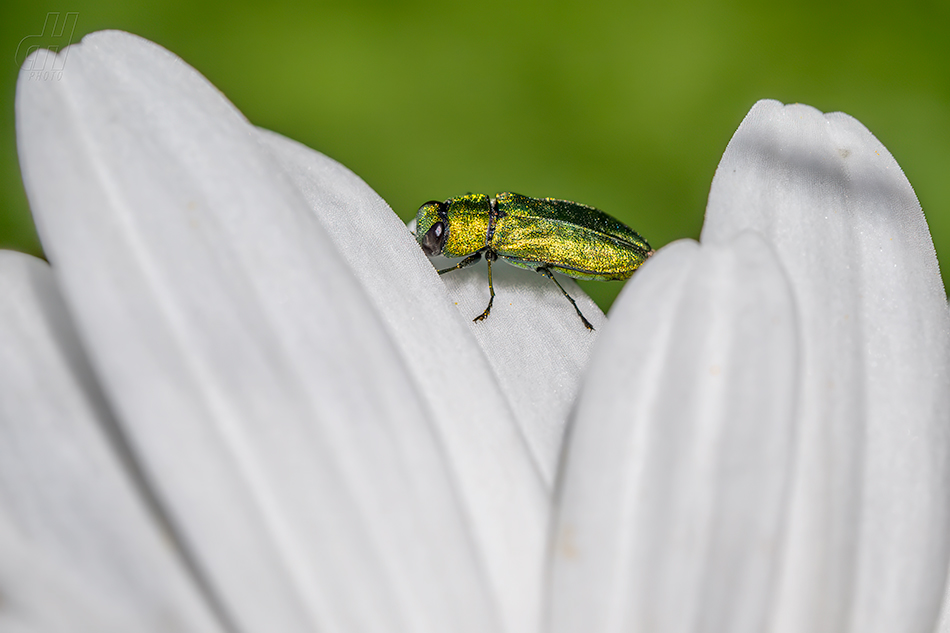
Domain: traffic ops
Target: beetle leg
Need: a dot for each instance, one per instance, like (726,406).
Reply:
(468,261)
(490,256)
(547,273)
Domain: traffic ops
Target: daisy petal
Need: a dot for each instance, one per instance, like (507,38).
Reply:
(40,595)
(254,378)
(506,502)
(869,523)
(678,462)
(81,550)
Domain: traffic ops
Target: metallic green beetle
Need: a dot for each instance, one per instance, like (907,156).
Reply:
(541,234)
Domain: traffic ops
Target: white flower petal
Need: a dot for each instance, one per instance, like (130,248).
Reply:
(253,375)
(41,596)
(677,465)
(534,341)
(507,508)
(81,550)
(870,517)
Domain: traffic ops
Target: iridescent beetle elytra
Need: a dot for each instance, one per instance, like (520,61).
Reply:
(541,234)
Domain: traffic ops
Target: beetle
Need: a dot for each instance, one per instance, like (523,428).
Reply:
(541,234)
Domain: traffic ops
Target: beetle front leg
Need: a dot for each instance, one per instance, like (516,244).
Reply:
(547,273)
(468,261)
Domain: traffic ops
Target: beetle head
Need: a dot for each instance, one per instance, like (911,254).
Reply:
(432,227)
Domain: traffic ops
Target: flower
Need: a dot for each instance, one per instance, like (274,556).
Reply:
(240,398)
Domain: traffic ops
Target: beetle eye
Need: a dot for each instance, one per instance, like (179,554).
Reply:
(434,240)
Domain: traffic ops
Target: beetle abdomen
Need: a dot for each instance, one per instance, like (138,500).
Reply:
(576,251)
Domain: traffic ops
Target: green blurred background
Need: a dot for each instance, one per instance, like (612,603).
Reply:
(627,106)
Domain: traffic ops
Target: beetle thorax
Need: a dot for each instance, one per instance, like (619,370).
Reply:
(468,220)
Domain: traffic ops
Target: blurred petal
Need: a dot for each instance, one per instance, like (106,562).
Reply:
(261,389)
(869,518)
(534,342)
(775,456)
(81,551)
(678,463)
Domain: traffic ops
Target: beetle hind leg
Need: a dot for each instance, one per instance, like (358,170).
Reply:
(547,273)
